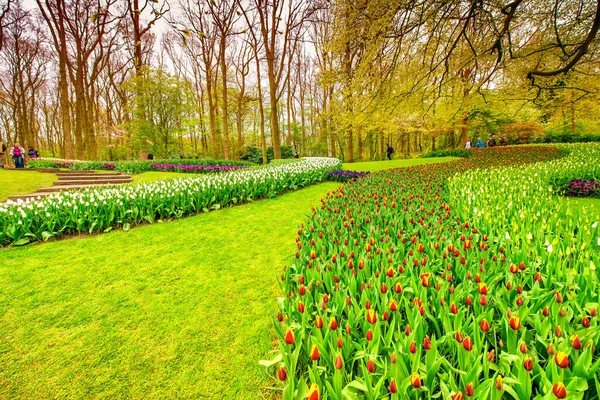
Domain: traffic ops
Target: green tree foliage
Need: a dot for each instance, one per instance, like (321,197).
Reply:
(166,105)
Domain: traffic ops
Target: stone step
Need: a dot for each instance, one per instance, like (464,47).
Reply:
(93,180)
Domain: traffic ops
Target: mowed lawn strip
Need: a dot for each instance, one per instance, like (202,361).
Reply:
(23,182)
(173,310)
(372,166)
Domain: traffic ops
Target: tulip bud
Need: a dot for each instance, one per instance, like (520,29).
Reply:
(413,347)
(499,382)
(393,358)
(427,343)
(393,388)
(279,316)
(561,359)
(515,323)
(371,316)
(483,301)
(562,312)
(482,288)
(468,301)
(415,380)
(333,325)
(576,343)
(484,325)
(313,392)
(558,331)
(289,336)
(490,356)
(339,363)
(594,312)
(468,343)
(528,364)
(282,374)
(453,308)
(550,349)
(523,348)
(348,329)
(546,311)
(393,305)
(458,396)
(370,366)
(459,337)
(369,335)
(314,353)
(469,389)
(559,390)
(407,330)
(585,322)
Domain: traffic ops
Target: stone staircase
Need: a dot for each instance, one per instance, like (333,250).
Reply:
(73,180)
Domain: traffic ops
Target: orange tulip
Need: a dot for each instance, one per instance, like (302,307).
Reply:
(339,362)
(515,323)
(393,387)
(453,308)
(499,382)
(469,389)
(468,344)
(393,305)
(484,325)
(458,396)
(483,288)
(318,322)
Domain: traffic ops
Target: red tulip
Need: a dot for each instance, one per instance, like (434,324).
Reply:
(340,344)
(333,325)
(393,388)
(576,343)
(425,279)
(561,359)
(483,301)
(546,311)
(371,316)
(560,391)
(427,343)
(407,330)
(314,353)
(528,364)
(453,308)
(558,331)
(469,389)
(514,269)
(490,356)
(515,323)
(393,358)
(398,288)
(289,336)
(469,301)
(550,349)
(523,348)
(585,322)
(339,363)
(313,255)
(484,325)
(415,380)
(318,322)
(282,374)
(468,343)
(482,288)
(458,396)
(459,337)
(300,307)
(413,347)
(370,366)
(369,335)
(313,392)
(393,305)
(279,316)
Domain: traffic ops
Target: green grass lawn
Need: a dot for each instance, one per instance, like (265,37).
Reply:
(22,182)
(172,310)
(585,205)
(372,166)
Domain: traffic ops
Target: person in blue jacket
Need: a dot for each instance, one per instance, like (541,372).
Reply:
(479,144)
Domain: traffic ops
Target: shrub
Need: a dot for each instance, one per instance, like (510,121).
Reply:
(254,154)
(448,153)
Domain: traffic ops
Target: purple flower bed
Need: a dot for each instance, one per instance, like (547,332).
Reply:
(340,175)
(109,166)
(581,188)
(191,168)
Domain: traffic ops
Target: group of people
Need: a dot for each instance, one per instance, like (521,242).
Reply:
(17,152)
(492,142)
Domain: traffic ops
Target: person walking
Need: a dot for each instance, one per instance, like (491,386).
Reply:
(32,153)
(17,153)
(468,144)
(390,150)
(479,144)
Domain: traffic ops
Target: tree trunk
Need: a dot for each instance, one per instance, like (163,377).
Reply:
(224,106)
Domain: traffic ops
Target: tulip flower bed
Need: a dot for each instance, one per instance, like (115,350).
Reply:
(130,167)
(340,175)
(102,209)
(191,168)
(459,280)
